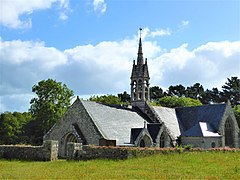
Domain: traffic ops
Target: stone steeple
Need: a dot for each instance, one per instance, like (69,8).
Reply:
(140,79)
(140,53)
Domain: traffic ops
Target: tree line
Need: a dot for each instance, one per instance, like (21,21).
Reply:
(230,91)
(53,98)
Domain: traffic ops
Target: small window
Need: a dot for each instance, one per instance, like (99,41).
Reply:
(213,145)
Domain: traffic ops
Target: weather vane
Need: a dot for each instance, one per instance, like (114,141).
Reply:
(140,29)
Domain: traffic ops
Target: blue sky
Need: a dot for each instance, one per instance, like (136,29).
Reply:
(90,44)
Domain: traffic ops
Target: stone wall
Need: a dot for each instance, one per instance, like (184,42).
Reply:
(202,142)
(120,153)
(47,152)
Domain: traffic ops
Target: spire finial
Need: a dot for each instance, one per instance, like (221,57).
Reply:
(140,29)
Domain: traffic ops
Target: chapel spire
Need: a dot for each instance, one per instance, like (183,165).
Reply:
(140,79)
(140,52)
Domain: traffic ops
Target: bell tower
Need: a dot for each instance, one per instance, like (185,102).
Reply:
(140,80)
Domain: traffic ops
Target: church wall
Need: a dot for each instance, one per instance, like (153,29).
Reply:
(76,114)
(202,142)
(229,114)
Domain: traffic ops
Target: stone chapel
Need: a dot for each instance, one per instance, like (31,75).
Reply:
(143,125)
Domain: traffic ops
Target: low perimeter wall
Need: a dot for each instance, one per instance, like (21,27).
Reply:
(47,152)
(78,152)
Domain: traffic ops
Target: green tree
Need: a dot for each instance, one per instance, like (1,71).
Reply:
(106,99)
(173,102)
(196,91)
(231,90)
(125,97)
(51,102)
(11,127)
(178,90)
(156,93)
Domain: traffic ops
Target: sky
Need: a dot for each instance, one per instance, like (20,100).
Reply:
(90,45)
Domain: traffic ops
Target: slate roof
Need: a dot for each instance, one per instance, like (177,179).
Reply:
(201,129)
(190,116)
(119,123)
(135,133)
(114,122)
(168,116)
(153,130)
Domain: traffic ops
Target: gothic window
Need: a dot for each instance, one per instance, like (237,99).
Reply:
(228,133)
(134,90)
(140,89)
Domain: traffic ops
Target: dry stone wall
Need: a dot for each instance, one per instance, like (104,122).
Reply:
(47,152)
(78,152)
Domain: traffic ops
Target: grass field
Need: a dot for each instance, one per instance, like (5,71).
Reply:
(194,165)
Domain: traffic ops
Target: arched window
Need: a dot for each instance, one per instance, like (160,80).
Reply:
(134,90)
(228,133)
(140,89)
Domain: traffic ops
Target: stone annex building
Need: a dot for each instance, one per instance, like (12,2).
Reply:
(144,125)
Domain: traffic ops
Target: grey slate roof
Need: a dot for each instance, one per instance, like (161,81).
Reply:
(135,133)
(201,129)
(153,130)
(168,116)
(190,116)
(114,122)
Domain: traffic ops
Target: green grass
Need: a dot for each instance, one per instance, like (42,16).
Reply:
(194,165)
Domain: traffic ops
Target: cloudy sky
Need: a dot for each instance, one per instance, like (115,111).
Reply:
(90,44)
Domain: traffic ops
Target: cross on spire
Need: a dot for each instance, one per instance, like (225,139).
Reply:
(140,29)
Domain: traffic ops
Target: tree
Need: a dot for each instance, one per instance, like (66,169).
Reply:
(196,91)
(11,127)
(173,102)
(106,99)
(125,97)
(178,90)
(231,90)
(156,93)
(51,102)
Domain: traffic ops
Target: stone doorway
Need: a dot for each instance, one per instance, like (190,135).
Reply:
(145,142)
(69,138)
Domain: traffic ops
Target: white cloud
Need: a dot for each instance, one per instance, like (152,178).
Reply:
(210,64)
(146,32)
(99,6)
(161,32)
(13,10)
(105,68)
(183,25)
(24,63)
(19,52)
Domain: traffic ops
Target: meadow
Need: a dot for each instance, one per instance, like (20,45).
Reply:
(190,165)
